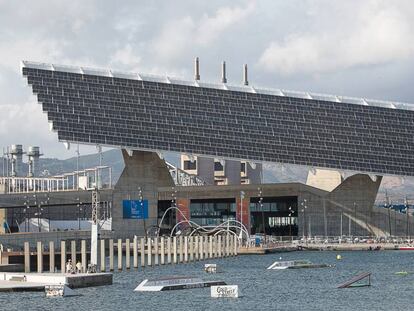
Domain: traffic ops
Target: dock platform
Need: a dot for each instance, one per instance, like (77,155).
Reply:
(37,281)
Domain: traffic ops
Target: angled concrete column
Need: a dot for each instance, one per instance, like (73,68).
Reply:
(83,256)
(162,250)
(156,251)
(143,171)
(127,254)
(63,256)
(119,254)
(168,250)
(185,249)
(73,252)
(103,257)
(191,243)
(51,256)
(39,257)
(142,247)
(111,255)
(26,257)
(135,252)
(149,252)
(175,249)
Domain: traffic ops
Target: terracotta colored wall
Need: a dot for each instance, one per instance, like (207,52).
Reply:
(184,206)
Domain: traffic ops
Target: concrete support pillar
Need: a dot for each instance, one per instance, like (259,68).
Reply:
(156,252)
(162,250)
(169,250)
(191,243)
(73,252)
(39,257)
(111,255)
(186,249)
(175,249)
(119,254)
(231,245)
(63,256)
(135,252)
(103,257)
(127,254)
(51,256)
(83,256)
(219,246)
(142,247)
(200,241)
(181,249)
(26,257)
(210,246)
(149,252)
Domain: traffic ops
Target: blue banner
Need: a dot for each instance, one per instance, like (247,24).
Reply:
(135,209)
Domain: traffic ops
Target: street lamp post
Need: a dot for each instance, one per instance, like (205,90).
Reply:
(304,207)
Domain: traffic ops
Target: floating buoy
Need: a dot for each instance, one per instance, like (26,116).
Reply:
(338,257)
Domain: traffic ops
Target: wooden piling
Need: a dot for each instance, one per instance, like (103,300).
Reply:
(210,246)
(191,243)
(181,248)
(200,241)
(73,253)
(63,256)
(51,256)
(127,254)
(149,252)
(119,254)
(103,257)
(162,250)
(26,257)
(169,250)
(135,252)
(219,246)
(196,252)
(83,256)
(142,247)
(39,257)
(175,249)
(156,259)
(186,249)
(111,255)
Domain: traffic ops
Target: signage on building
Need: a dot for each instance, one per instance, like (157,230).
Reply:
(135,209)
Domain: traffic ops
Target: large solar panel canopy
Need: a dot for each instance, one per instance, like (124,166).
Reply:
(146,112)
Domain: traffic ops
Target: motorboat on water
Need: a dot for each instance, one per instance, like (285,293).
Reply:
(295,264)
(173,283)
(59,290)
(406,248)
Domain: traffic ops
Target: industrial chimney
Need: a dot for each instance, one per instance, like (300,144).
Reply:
(16,153)
(196,69)
(245,80)
(34,155)
(223,73)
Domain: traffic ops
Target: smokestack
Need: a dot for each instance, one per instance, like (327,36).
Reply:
(16,153)
(245,80)
(34,154)
(223,73)
(196,69)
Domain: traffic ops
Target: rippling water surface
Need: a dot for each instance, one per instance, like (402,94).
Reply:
(261,289)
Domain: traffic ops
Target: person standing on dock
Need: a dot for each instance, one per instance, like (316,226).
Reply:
(78,267)
(69,266)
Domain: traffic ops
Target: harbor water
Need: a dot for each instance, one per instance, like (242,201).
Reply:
(261,289)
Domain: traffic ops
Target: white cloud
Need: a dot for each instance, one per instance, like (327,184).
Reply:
(188,33)
(376,34)
(126,56)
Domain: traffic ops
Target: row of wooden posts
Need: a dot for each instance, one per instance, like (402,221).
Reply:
(152,251)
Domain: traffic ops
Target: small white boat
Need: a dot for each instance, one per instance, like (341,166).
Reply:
(60,290)
(173,283)
(295,264)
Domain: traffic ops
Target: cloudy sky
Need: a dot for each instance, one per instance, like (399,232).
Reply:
(355,48)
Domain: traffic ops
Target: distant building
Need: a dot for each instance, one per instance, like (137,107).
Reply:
(222,172)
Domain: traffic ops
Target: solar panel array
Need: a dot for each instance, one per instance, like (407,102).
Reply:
(144,114)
